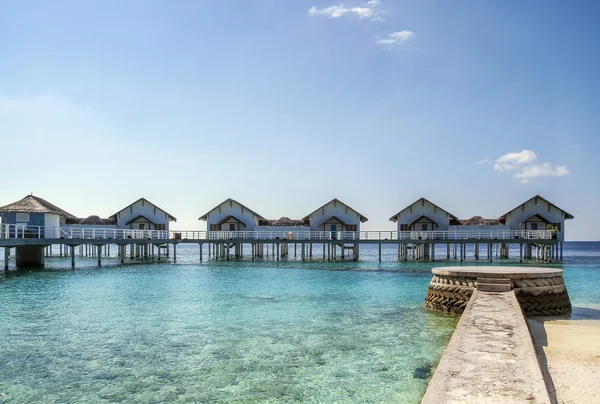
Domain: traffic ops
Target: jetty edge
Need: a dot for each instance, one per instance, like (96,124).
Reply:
(491,356)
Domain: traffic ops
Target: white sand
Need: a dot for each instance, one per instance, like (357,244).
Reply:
(571,351)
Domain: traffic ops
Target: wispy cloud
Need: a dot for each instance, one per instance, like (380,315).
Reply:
(339,11)
(368,10)
(397,37)
(540,170)
(526,170)
(483,161)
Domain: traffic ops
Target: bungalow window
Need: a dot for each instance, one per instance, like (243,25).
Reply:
(403,227)
(160,226)
(424,227)
(213,227)
(533,226)
(351,227)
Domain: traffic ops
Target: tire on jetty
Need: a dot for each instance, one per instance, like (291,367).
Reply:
(540,291)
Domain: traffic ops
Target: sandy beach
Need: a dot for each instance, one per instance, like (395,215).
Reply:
(569,352)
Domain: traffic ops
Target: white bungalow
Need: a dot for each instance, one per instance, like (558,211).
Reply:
(537,213)
(231,215)
(142,215)
(423,215)
(334,216)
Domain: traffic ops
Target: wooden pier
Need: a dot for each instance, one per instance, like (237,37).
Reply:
(308,245)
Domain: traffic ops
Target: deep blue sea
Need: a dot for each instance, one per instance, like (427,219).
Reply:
(237,331)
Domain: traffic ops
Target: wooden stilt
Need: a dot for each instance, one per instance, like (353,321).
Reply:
(6,257)
(520,252)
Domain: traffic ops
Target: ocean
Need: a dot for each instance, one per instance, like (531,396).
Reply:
(237,331)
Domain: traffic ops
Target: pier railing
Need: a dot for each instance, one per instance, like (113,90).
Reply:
(18,231)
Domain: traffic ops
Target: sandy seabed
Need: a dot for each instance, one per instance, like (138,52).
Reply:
(569,353)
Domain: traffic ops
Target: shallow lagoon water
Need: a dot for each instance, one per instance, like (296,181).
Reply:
(232,331)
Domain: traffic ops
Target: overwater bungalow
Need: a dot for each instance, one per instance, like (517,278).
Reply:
(423,215)
(537,213)
(230,215)
(33,211)
(334,216)
(143,215)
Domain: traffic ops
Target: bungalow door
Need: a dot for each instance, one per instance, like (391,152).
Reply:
(333,229)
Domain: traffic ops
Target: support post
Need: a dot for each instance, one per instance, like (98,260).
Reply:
(72,257)
(520,252)
(561,250)
(200,251)
(99,256)
(379,252)
(6,256)
(175,252)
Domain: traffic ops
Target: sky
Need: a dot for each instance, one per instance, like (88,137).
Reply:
(284,105)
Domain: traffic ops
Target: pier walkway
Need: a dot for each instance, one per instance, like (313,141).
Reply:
(414,245)
(490,357)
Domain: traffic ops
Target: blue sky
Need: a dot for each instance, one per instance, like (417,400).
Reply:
(284,105)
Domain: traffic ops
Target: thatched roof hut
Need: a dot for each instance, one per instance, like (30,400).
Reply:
(286,221)
(479,221)
(35,204)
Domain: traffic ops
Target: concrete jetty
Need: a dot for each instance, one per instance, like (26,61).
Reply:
(490,358)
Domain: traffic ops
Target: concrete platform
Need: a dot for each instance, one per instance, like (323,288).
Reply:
(497,272)
(540,291)
(490,357)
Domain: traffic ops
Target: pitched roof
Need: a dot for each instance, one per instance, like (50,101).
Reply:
(205,216)
(479,221)
(542,218)
(423,217)
(139,217)
(35,204)
(171,217)
(395,217)
(336,218)
(230,217)
(567,214)
(362,218)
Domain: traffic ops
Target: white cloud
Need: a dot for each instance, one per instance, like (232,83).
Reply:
(511,161)
(523,163)
(340,10)
(540,170)
(367,10)
(483,161)
(397,37)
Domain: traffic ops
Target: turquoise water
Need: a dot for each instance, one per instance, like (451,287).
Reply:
(232,331)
